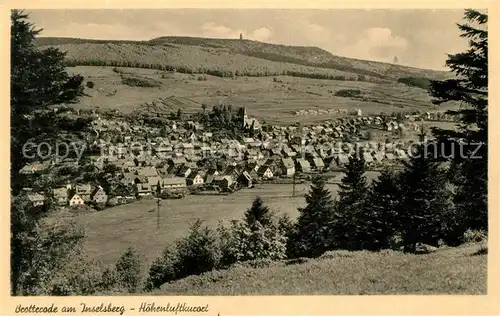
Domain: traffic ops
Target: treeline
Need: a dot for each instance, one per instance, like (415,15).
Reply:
(348,93)
(222,119)
(327,65)
(419,82)
(217,72)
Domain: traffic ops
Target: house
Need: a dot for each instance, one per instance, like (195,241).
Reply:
(61,196)
(303,165)
(32,168)
(99,196)
(177,161)
(389,156)
(233,171)
(36,199)
(265,172)
(252,172)
(143,189)
(317,163)
(342,160)
(368,158)
(223,182)
(147,172)
(76,200)
(84,191)
(153,183)
(209,178)
(245,180)
(401,154)
(287,167)
(184,171)
(194,178)
(378,156)
(173,183)
(213,172)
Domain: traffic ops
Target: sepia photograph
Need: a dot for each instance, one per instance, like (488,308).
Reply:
(233,152)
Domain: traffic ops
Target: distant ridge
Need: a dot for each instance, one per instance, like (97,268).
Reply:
(309,56)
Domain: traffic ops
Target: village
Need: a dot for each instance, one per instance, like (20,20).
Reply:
(137,161)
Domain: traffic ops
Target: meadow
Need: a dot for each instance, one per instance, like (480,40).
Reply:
(111,231)
(448,271)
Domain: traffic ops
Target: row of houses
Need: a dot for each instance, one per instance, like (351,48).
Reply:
(72,196)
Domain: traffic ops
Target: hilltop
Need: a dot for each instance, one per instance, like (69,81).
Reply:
(196,53)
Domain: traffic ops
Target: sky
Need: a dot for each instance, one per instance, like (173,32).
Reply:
(418,38)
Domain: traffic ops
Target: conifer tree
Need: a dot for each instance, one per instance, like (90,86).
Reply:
(311,236)
(381,210)
(424,200)
(258,213)
(348,226)
(470,88)
(38,78)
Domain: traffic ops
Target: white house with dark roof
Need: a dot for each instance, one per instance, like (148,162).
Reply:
(265,172)
(99,196)
(194,178)
(76,200)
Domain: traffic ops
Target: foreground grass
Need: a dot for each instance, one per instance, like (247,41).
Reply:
(448,271)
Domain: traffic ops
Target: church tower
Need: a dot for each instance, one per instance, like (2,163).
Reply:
(241,36)
(244,116)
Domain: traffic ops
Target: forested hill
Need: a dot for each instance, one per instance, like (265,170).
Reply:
(240,57)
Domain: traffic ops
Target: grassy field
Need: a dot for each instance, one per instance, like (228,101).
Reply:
(269,100)
(111,231)
(447,271)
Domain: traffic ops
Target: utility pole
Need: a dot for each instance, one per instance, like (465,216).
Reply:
(158,197)
(293,192)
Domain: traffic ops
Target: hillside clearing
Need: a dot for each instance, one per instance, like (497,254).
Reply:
(275,101)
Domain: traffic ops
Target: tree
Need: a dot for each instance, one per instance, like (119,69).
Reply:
(38,79)
(128,268)
(348,226)
(381,210)
(258,213)
(198,252)
(424,200)
(470,88)
(38,250)
(311,236)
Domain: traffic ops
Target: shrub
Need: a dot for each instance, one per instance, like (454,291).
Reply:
(90,84)
(396,242)
(418,82)
(163,269)
(240,242)
(471,236)
(137,81)
(128,268)
(348,93)
(81,277)
(198,252)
